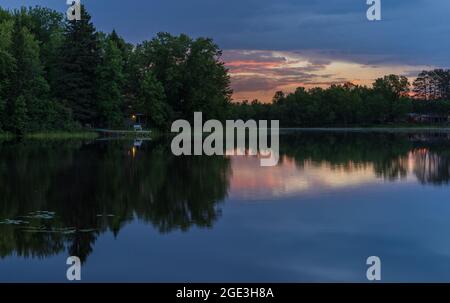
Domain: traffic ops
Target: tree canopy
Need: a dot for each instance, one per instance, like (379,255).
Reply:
(57,74)
(60,74)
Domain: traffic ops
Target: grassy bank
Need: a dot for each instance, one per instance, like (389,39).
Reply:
(84,135)
(155,133)
(62,135)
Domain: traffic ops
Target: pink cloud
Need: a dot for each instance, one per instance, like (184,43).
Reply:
(258,74)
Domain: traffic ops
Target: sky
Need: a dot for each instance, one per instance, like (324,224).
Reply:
(272,45)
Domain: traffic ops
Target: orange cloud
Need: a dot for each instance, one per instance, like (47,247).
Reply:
(257,74)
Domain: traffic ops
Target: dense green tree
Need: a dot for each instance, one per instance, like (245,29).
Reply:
(337,105)
(28,81)
(206,85)
(19,118)
(17,80)
(124,47)
(191,71)
(110,84)
(48,28)
(152,101)
(166,56)
(392,86)
(7,65)
(79,60)
(26,71)
(394,90)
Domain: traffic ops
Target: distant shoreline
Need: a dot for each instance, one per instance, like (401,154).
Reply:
(369,129)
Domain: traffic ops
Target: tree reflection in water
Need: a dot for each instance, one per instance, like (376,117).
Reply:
(95,187)
(60,196)
(391,155)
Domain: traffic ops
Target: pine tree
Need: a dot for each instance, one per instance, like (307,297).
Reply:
(123,47)
(80,58)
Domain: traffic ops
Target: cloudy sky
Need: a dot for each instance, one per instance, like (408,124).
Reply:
(272,45)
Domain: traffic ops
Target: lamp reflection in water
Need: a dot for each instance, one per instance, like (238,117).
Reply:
(136,145)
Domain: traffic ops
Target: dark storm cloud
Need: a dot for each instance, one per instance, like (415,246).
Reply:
(412,31)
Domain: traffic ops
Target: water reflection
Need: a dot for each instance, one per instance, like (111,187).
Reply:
(390,156)
(317,161)
(94,187)
(61,196)
(430,167)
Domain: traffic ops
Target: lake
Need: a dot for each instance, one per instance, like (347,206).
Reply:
(132,212)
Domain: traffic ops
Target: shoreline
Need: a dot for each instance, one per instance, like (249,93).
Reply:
(52,135)
(67,135)
(368,129)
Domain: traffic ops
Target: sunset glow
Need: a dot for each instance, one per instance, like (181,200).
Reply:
(257,74)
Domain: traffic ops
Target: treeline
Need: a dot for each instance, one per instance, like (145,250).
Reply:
(59,74)
(63,75)
(388,101)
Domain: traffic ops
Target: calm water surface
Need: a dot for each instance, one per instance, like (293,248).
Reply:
(134,213)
